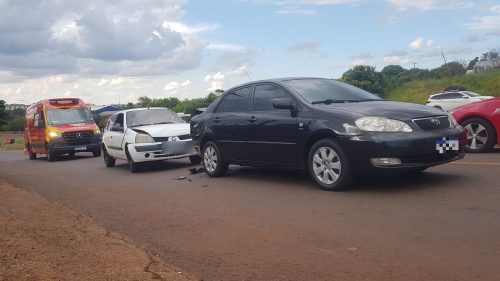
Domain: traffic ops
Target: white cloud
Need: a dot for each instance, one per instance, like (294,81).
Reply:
(216,81)
(358,62)
(486,22)
(187,29)
(363,55)
(225,47)
(172,88)
(417,43)
(427,5)
(396,60)
(430,43)
(308,46)
(296,10)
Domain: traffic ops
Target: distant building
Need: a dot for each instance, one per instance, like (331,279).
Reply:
(14,106)
(487,65)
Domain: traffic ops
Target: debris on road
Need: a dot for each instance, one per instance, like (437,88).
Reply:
(196,170)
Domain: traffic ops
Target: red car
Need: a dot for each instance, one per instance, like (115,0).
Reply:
(482,123)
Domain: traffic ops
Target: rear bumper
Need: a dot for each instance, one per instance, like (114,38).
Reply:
(415,150)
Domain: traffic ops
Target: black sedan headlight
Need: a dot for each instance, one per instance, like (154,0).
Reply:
(382,124)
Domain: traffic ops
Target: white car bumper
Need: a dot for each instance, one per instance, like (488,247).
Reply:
(147,152)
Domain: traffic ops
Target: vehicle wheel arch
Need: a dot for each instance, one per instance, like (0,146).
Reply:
(205,139)
(479,117)
(315,137)
(496,136)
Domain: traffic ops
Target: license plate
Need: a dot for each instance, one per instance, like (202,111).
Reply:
(176,147)
(80,148)
(447,144)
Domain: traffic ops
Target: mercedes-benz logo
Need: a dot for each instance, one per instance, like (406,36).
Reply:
(435,121)
(79,135)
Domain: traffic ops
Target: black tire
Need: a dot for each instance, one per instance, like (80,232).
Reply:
(108,160)
(51,156)
(31,154)
(132,166)
(485,135)
(96,153)
(213,162)
(195,159)
(337,169)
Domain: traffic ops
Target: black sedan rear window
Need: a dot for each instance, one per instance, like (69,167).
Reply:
(320,90)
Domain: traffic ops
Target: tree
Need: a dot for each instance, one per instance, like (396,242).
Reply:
(473,63)
(365,77)
(392,70)
(4,115)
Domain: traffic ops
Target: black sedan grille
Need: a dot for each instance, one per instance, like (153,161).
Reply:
(433,123)
(78,138)
(181,137)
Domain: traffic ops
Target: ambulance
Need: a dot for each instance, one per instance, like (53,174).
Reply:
(60,126)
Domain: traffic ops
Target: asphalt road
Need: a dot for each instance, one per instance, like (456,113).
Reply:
(258,224)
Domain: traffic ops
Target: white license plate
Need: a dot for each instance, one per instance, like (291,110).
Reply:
(80,148)
(176,147)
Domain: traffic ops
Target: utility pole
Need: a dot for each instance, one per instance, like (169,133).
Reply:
(442,54)
(414,64)
(245,70)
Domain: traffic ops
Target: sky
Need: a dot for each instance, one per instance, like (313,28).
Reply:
(110,51)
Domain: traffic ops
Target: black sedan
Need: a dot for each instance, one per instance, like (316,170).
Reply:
(334,130)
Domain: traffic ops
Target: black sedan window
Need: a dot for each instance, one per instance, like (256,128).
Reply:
(264,96)
(328,91)
(236,101)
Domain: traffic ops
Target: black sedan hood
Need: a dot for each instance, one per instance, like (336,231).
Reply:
(390,109)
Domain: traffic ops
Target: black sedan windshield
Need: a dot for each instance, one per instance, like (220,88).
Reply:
(68,116)
(328,91)
(152,116)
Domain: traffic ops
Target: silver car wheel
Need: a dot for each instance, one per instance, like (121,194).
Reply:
(477,135)
(326,165)
(210,159)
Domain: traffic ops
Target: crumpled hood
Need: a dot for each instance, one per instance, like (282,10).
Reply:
(390,109)
(165,130)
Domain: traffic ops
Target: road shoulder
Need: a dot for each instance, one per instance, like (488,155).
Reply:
(40,240)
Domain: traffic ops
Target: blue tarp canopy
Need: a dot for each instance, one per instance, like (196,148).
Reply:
(100,110)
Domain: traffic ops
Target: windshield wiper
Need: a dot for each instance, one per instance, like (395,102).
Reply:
(328,101)
(166,122)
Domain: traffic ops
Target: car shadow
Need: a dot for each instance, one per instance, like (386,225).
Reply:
(160,166)
(372,183)
(64,157)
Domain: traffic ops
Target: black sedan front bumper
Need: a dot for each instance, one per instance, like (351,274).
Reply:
(415,150)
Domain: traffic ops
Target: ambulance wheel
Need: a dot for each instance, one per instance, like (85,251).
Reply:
(51,156)
(31,154)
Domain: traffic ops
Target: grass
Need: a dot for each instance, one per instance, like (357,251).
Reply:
(486,84)
(18,141)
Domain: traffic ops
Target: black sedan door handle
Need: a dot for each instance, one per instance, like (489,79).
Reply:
(252,119)
(216,119)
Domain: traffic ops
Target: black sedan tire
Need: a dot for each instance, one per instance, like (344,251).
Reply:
(212,161)
(481,135)
(329,166)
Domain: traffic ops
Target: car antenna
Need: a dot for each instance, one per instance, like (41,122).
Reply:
(245,70)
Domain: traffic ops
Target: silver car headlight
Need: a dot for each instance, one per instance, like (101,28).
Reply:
(143,138)
(382,124)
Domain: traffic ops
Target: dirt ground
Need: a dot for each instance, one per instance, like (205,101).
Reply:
(44,241)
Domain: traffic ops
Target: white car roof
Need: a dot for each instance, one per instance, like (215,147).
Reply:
(142,108)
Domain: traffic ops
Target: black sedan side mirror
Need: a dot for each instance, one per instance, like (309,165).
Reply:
(285,103)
